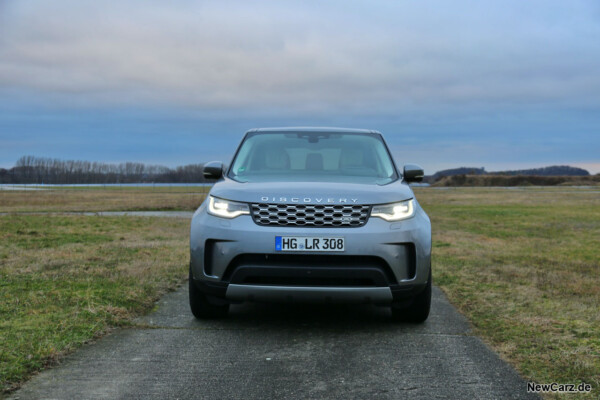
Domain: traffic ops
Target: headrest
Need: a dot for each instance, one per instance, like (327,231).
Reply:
(314,161)
(351,158)
(277,159)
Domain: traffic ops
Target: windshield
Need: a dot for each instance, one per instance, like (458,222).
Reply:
(313,157)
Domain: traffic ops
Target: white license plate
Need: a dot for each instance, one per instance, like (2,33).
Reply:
(303,243)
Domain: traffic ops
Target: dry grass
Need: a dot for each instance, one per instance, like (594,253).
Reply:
(524,266)
(96,199)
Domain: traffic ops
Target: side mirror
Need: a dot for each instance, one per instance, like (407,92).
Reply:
(413,173)
(213,170)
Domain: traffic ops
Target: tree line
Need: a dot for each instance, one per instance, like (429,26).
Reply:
(553,170)
(43,170)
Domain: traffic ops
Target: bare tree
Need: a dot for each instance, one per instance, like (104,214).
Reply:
(31,169)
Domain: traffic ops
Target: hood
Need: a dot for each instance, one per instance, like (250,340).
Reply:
(311,192)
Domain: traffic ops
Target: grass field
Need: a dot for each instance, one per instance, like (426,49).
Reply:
(103,199)
(67,279)
(522,264)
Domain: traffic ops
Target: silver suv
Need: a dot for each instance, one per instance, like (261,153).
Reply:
(311,215)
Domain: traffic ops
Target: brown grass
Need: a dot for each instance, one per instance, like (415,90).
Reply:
(121,199)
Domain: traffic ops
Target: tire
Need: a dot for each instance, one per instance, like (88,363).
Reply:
(201,307)
(418,309)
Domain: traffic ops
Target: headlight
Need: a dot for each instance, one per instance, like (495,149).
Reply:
(226,208)
(395,211)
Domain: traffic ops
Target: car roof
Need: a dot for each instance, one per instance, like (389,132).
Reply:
(313,129)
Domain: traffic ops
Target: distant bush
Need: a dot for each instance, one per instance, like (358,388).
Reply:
(517,180)
(553,170)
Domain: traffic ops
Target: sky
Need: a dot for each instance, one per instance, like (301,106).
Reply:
(501,85)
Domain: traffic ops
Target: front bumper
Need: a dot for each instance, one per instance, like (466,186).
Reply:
(235,259)
(321,294)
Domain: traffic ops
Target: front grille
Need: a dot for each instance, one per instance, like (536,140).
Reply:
(312,215)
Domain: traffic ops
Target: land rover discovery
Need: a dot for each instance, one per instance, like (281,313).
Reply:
(311,215)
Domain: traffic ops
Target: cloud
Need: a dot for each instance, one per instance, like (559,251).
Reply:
(448,83)
(378,58)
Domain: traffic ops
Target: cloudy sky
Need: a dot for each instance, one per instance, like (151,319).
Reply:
(495,84)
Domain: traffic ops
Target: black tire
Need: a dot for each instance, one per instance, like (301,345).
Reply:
(418,310)
(201,307)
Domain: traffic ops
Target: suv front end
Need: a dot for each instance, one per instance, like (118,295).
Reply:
(318,236)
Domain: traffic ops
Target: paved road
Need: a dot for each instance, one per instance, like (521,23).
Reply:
(275,351)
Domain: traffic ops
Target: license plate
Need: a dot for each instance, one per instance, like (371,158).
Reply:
(303,243)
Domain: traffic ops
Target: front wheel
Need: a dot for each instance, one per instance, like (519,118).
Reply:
(201,307)
(418,310)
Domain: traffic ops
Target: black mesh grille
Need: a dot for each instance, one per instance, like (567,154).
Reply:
(311,215)
(309,269)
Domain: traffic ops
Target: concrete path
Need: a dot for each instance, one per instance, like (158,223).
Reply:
(284,352)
